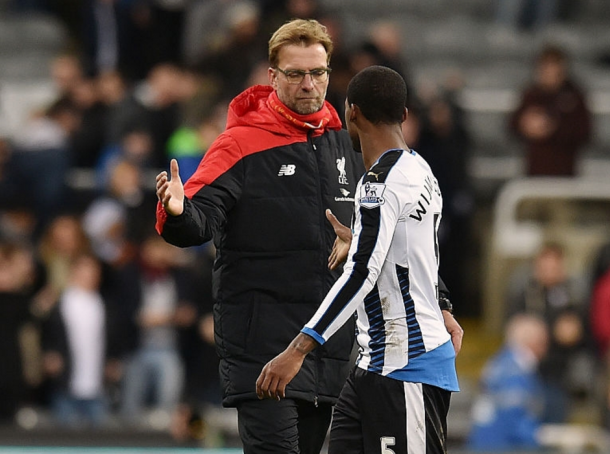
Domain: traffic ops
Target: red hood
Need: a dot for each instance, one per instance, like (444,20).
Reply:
(253,107)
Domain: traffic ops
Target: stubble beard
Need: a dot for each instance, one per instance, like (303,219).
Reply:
(308,107)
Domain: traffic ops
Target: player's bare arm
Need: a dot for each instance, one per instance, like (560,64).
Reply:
(342,243)
(277,373)
(171,192)
(454,329)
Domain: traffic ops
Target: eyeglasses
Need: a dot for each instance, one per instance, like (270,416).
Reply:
(296,76)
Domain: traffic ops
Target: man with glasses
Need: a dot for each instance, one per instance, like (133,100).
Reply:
(261,193)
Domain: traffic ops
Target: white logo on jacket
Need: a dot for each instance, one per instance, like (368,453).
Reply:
(287,170)
(341,169)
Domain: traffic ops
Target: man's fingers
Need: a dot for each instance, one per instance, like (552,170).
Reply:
(332,261)
(342,231)
(161,180)
(174,170)
(281,392)
(333,219)
(262,384)
(161,175)
(273,388)
(267,385)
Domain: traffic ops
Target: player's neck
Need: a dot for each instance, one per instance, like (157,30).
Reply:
(379,140)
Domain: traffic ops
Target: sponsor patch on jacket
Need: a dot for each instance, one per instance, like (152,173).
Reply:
(345,196)
(371,195)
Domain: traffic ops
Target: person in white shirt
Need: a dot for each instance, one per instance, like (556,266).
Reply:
(74,340)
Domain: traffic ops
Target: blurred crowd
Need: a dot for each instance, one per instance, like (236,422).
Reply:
(100,317)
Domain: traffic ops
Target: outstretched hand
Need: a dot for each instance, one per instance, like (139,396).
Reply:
(342,243)
(171,192)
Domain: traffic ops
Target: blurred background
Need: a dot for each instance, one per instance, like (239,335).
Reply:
(509,102)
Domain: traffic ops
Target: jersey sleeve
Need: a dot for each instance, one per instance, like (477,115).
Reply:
(210,194)
(374,226)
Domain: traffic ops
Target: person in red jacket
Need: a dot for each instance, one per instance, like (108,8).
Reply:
(261,192)
(552,118)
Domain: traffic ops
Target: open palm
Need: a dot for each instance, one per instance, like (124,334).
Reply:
(342,243)
(171,192)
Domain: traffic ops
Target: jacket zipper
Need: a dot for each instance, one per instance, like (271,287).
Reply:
(314,149)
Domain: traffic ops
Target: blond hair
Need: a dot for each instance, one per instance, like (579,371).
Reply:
(300,32)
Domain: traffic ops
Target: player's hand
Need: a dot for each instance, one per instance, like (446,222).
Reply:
(277,373)
(171,192)
(342,243)
(454,329)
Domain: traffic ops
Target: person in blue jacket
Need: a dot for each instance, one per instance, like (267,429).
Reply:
(505,415)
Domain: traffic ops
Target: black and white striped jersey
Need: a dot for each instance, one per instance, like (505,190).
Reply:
(391,275)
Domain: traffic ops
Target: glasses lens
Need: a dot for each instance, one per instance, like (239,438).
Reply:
(319,75)
(295,76)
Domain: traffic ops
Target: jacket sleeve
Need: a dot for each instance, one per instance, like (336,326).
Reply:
(210,194)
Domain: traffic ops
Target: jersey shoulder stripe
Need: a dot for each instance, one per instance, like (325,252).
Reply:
(379,171)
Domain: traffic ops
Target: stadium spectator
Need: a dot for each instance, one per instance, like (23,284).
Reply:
(74,345)
(150,106)
(114,91)
(62,241)
(118,220)
(66,72)
(233,59)
(136,147)
(547,290)
(40,160)
(89,138)
(17,274)
(152,287)
(552,118)
(188,145)
(506,415)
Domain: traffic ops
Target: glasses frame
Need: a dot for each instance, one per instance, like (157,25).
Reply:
(302,73)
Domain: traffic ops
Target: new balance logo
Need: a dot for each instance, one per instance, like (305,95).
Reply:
(286,170)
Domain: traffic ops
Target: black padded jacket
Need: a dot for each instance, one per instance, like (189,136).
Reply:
(260,193)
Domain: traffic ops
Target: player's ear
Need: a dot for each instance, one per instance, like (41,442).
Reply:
(405,114)
(272,75)
(354,112)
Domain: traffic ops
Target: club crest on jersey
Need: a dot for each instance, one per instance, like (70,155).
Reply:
(341,169)
(371,195)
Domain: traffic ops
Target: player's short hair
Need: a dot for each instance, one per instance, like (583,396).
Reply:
(380,93)
(301,32)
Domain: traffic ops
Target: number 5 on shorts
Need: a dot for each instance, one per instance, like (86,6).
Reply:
(385,442)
